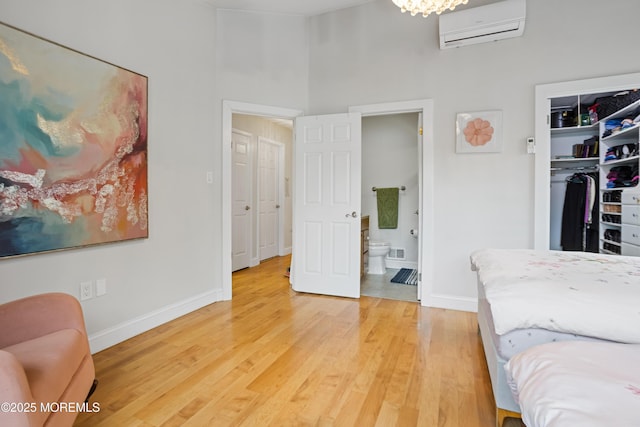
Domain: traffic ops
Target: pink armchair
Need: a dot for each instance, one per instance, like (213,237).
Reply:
(46,368)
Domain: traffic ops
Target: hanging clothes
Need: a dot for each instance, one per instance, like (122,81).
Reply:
(592,221)
(580,214)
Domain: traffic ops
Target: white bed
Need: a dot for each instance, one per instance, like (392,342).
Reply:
(529,297)
(586,384)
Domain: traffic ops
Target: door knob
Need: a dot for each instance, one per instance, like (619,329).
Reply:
(246,208)
(277,206)
(352,214)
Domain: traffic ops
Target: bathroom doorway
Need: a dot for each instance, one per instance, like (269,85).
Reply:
(391,157)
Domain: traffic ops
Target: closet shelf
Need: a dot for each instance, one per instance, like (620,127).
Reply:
(604,251)
(575,129)
(612,242)
(611,224)
(621,161)
(623,132)
(575,159)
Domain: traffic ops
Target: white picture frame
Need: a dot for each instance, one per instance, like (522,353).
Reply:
(479,132)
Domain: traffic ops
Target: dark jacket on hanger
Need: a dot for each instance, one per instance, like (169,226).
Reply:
(577,234)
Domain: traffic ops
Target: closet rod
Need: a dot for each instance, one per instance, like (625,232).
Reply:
(400,188)
(576,168)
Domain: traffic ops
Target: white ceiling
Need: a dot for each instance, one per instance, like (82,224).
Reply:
(297,7)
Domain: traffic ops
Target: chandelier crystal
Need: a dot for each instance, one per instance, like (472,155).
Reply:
(425,7)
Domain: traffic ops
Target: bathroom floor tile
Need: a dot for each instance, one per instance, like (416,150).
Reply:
(380,286)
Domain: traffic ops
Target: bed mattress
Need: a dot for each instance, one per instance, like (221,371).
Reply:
(519,340)
(499,349)
(575,293)
(586,384)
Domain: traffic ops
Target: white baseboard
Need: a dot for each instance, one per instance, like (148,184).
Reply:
(285,251)
(394,263)
(116,334)
(450,302)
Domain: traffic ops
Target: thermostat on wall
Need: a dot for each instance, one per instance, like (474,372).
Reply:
(531,145)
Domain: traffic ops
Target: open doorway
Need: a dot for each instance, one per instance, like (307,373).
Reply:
(390,159)
(261,195)
(426,218)
(229,108)
(425,159)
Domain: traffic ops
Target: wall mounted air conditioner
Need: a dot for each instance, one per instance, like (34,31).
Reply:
(482,24)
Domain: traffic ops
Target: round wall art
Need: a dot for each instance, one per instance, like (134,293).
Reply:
(479,132)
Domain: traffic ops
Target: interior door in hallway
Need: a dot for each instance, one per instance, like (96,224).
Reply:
(327,189)
(269,177)
(241,200)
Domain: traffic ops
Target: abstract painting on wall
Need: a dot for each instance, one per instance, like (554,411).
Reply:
(73,148)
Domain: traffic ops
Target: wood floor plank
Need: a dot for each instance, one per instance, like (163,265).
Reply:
(272,356)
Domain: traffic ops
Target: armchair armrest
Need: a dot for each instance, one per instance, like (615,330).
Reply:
(14,390)
(39,315)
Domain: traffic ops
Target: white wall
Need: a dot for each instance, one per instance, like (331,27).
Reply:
(390,159)
(177,267)
(373,53)
(194,57)
(262,58)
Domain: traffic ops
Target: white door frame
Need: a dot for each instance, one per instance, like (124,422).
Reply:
(228,109)
(427,225)
(281,159)
(427,210)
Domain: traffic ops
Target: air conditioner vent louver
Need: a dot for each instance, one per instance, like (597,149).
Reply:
(482,24)
(396,253)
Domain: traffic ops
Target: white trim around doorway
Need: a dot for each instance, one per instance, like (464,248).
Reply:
(228,109)
(427,211)
(427,225)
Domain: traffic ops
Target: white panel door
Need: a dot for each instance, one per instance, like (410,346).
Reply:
(241,200)
(326,240)
(269,197)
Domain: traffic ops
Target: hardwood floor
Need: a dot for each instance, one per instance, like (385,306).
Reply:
(274,357)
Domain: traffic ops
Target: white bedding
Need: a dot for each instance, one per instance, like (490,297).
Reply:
(577,383)
(581,293)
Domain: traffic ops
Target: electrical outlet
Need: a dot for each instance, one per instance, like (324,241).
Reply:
(86,290)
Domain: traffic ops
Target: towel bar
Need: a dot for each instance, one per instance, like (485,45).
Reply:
(401,188)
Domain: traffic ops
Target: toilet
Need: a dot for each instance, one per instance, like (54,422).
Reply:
(377,253)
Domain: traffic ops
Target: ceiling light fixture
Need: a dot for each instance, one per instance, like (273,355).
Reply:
(425,7)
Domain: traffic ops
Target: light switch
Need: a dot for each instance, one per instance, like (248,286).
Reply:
(101,287)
